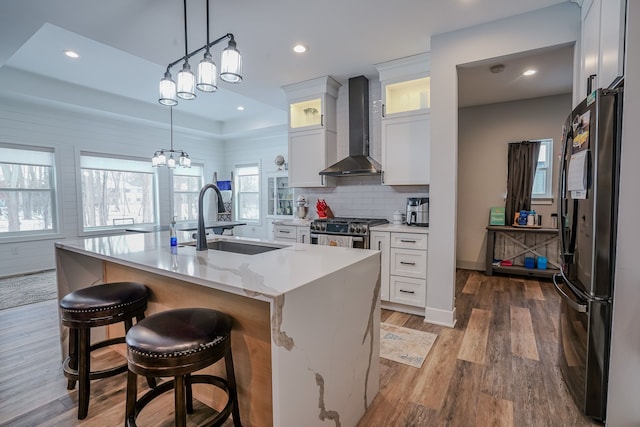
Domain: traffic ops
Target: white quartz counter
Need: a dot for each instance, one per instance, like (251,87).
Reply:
(269,274)
(401,228)
(306,335)
(295,222)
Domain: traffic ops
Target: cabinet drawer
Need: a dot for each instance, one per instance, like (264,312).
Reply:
(284,232)
(409,240)
(410,263)
(407,290)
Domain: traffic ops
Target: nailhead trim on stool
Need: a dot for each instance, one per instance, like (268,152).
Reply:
(176,343)
(90,307)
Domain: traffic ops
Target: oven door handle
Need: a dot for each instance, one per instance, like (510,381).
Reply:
(355,238)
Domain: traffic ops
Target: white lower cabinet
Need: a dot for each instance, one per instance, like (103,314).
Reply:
(403,269)
(291,233)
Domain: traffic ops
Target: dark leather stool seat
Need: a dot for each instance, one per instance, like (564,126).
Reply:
(176,343)
(94,306)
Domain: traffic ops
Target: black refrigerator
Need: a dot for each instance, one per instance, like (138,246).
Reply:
(587,212)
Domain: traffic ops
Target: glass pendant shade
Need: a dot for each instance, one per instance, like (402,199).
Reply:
(186,83)
(162,159)
(167,91)
(231,64)
(171,163)
(207,78)
(185,161)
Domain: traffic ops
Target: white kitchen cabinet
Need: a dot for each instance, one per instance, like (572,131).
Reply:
(406,104)
(303,234)
(291,232)
(380,240)
(279,195)
(602,47)
(405,150)
(403,269)
(312,130)
(285,233)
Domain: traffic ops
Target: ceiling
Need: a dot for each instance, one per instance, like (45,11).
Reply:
(125,46)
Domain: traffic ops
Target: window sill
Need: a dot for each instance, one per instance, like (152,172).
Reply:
(542,201)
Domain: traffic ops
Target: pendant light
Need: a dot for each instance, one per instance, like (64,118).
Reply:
(207,71)
(207,79)
(186,79)
(160,157)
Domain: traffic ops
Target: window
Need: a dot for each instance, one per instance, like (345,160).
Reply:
(248,193)
(27,190)
(542,183)
(116,191)
(187,183)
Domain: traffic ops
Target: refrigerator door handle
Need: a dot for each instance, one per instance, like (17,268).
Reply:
(581,308)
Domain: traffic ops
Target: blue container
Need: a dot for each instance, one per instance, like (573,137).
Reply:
(529,262)
(522,219)
(542,263)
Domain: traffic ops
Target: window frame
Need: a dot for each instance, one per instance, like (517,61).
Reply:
(56,201)
(113,229)
(548,194)
(175,172)
(236,191)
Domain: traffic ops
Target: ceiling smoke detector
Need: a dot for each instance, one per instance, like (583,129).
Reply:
(498,68)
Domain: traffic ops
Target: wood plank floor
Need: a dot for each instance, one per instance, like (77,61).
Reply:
(497,367)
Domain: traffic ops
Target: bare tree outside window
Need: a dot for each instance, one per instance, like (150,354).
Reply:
(27,190)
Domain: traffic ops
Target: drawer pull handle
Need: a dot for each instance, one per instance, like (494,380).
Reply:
(407,292)
(284,231)
(407,241)
(407,263)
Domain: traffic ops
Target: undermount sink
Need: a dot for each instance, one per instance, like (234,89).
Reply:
(244,248)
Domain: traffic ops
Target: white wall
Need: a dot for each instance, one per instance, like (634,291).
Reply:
(624,379)
(483,136)
(551,26)
(69,132)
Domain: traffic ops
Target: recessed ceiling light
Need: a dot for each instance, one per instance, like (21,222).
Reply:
(240,108)
(498,68)
(299,48)
(529,72)
(71,54)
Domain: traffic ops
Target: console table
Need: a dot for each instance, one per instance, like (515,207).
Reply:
(509,243)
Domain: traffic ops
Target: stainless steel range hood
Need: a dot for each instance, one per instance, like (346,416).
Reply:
(359,162)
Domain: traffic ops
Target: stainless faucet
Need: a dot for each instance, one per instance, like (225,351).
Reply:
(201,236)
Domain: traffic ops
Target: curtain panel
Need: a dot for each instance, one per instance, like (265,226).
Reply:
(521,171)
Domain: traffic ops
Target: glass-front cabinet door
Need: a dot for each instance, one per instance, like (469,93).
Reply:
(280,196)
(407,95)
(306,113)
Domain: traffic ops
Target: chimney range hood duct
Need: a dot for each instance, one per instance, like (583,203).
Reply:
(359,162)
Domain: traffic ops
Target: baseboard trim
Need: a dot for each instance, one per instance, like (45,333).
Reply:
(440,317)
(470,265)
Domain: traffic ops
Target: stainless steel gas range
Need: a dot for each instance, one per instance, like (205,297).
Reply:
(349,232)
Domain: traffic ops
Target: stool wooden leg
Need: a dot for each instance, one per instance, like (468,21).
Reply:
(84,369)
(189,395)
(73,356)
(233,393)
(179,396)
(132,392)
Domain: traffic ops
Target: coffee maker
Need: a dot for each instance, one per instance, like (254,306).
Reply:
(418,211)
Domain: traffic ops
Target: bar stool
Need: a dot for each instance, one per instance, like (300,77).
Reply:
(90,307)
(176,343)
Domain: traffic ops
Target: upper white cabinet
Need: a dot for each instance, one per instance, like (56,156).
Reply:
(406,104)
(279,195)
(602,55)
(312,130)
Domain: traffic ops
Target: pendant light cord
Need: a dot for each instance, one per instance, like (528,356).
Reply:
(171,130)
(207,25)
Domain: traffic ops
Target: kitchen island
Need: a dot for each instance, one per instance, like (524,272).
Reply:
(306,318)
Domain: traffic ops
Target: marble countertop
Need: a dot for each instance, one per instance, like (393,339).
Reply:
(262,276)
(401,228)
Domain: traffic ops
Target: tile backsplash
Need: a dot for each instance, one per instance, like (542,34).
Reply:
(362,197)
